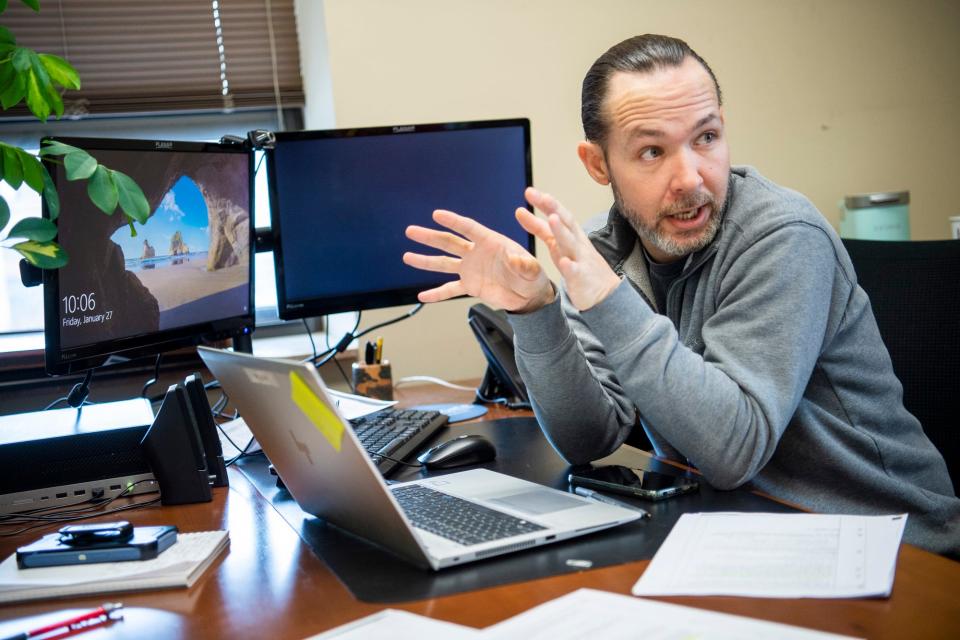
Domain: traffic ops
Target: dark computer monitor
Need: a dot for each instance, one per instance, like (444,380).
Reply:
(341,199)
(185,277)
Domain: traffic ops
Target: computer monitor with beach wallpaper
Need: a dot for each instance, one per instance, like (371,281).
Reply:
(185,276)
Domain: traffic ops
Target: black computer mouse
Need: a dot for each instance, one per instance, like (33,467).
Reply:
(460,451)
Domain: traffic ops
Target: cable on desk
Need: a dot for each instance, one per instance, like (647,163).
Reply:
(516,406)
(89,508)
(346,378)
(433,380)
(340,347)
(156,376)
(243,452)
(78,394)
(313,345)
(374,454)
(352,335)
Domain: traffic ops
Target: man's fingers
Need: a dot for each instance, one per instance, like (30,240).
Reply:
(443,292)
(468,228)
(566,239)
(533,224)
(442,240)
(549,206)
(540,200)
(440,264)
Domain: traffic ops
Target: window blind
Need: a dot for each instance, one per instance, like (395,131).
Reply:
(166,55)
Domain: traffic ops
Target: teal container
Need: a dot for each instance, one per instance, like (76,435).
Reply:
(876,216)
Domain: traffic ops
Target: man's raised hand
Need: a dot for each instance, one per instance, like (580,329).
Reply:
(490,266)
(587,278)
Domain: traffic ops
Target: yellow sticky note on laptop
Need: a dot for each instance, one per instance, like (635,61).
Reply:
(319,414)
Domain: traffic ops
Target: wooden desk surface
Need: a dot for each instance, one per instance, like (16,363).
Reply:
(270,585)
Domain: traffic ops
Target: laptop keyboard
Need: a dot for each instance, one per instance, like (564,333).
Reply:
(395,433)
(458,519)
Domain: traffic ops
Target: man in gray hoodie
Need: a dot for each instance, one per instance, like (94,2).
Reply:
(713,308)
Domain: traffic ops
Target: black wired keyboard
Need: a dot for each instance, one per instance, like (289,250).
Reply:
(395,433)
(457,519)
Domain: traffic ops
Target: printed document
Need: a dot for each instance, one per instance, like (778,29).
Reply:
(776,555)
(393,623)
(588,613)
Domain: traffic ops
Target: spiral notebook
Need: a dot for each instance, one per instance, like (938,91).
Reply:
(178,566)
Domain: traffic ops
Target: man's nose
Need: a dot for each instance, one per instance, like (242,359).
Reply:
(686,172)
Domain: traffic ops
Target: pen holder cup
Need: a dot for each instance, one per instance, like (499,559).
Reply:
(373,380)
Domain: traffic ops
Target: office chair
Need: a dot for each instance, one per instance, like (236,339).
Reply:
(914,288)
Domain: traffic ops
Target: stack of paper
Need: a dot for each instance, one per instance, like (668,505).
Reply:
(586,613)
(745,554)
(776,555)
(178,566)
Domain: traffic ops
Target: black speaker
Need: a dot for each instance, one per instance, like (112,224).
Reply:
(212,448)
(174,451)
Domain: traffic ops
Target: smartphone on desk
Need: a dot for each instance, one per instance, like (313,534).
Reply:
(648,485)
(89,544)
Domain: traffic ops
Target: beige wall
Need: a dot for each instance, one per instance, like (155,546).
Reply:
(828,97)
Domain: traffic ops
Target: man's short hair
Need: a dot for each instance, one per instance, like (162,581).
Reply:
(643,54)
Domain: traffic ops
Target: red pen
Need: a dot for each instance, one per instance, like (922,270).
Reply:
(89,619)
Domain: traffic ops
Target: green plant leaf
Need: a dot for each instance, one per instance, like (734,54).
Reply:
(32,170)
(102,190)
(21,59)
(7,74)
(50,195)
(37,98)
(61,71)
(36,229)
(5,35)
(12,170)
(132,200)
(133,229)
(14,92)
(47,90)
(44,255)
(4,213)
(33,4)
(54,148)
(79,164)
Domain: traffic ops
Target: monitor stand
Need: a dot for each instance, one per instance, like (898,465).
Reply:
(243,343)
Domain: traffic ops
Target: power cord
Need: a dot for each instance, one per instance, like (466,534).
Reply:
(156,376)
(352,335)
(433,380)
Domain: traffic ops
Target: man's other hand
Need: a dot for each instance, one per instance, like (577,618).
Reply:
(491,266)
(587,278)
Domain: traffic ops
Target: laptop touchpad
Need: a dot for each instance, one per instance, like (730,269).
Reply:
(538,501)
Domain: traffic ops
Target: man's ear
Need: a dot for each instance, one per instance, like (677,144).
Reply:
(591,155)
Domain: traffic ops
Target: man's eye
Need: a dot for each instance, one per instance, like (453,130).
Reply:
(708,136)
(650,153)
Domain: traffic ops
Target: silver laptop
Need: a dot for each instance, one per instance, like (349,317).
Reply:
(444,521)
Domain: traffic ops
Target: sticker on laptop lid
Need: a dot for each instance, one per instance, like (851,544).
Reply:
(326,421)
(264,378)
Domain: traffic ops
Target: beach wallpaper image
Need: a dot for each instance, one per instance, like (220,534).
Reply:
(170,255)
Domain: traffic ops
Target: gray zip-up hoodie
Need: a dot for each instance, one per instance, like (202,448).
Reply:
(766,368)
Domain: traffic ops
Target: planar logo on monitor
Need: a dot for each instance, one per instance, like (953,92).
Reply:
(158,144)
(406,129)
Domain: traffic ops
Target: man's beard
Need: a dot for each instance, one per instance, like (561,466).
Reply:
(673,245)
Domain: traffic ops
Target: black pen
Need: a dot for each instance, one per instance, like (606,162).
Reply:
(599,497)
(369,353)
